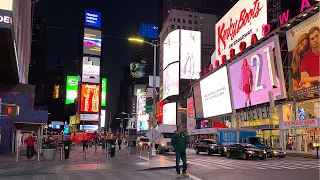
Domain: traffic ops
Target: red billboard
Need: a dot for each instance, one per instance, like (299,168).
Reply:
(90,98)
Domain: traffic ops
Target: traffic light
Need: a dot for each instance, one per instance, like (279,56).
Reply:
(13,110)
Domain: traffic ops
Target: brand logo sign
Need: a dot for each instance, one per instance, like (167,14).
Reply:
(243,21)
(310,123)
(5,19)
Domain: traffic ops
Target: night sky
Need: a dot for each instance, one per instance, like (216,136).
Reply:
(120,18)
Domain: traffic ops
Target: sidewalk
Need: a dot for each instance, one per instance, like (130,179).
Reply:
(76,162)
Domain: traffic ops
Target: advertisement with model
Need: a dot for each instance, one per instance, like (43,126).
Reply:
(142,116)
(91,70)
(170,114)
(71,89)
(92,42)
(190,56)
(90,98)
(241,22)
(256,74)
(171,48)
(215,94)
(303,47)
(190,115)
(171,80)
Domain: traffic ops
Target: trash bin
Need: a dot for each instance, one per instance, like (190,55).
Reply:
(66,151)
(113,150)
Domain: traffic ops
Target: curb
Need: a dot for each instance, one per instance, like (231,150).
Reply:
(157,168)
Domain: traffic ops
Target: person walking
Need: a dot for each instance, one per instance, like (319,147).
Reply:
(179,143)
(30,147)
(119,143)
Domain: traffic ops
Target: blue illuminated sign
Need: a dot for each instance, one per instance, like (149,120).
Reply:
(149,31)
(93,19)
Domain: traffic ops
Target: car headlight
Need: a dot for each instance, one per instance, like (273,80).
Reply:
(250,152)
(149,143)
(264,152)
(212,147)
(162,144)
(140,143)
(275,152)
(225,149)
(284,152)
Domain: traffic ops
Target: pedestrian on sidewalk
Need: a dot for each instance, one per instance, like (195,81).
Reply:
(103,142)
(179,143)
(119,143)
(30,147)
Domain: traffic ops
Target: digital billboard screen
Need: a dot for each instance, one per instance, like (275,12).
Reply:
(171,48)
(215,94)
(104,92)
(142,116)
(190,115)
(190,56)
(90,98)
(92,18)
(91,69)
(171,80)
(170,114)
(89,117)
(256,73)
(303,47)
(71,89)
(103,118)
(137,70)
(149,31)
(92,42)
(238,25)
(197,101)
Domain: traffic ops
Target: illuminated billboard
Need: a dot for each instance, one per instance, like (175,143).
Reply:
(190,115)
(92,42)
(197,101)
(71,89)
(92,18)
(303,46)
(91,69)
(215,94)
(149,31)
(6,5)
(239,24)
(5,19)
(256,73)
(171,48)
(137,70)
(89,117)
(170,114)
(103,118)
(90,97)
(142,116)
(190,56)
(104,92)
(56,91)
(171,80)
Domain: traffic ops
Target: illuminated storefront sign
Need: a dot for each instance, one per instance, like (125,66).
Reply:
(5,19)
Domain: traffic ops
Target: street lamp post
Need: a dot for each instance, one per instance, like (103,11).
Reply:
(154,45)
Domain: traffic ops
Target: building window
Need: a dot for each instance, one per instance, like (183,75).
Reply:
(190,28)
(178,27)
(201,22)
(190,15)
(178,20)
(183,20)
(190,21)
(195,22)
(183,27)
(195,16)
(174,19)
(196,29)
(172,26)
(170,19)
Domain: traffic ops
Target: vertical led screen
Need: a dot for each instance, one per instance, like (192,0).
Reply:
(171,80)
(92,42)
(104,92)
(103,118)
(190,115)
(170,114)
(71,89)
(303,46)
(142,116)
(256,73)
(197,101)
(90,97)
(92,18)
(239,24)
(190,56)
(91,69)
(171,48)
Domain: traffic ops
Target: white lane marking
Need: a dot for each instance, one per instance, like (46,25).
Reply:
(194,177)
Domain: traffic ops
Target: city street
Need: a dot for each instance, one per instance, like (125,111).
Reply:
(222,168)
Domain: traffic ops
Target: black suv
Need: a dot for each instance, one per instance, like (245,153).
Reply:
(245,151)
(208,146)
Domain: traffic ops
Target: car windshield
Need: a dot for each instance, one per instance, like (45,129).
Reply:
(210,142)
(249,146)
(167,135)
(144,140)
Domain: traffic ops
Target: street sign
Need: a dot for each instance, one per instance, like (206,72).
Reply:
(149,109)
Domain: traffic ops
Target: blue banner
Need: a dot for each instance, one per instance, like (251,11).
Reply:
(92,18)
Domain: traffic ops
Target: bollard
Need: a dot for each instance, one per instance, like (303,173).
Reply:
(38,154)
(85,154)
(129,151)
(318,152)
(148,152)
(17,153)
(140,151)
(107,155)
(61,152)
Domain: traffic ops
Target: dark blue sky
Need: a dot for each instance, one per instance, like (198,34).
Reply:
(120,18)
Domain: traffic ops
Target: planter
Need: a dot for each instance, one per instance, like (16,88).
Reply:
(49,154)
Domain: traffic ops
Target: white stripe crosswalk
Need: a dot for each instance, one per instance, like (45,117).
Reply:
(222,163)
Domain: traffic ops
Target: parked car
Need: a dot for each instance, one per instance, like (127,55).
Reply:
(208,146)
(245,151)
(272,152)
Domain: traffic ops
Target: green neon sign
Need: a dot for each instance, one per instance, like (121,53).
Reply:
(104,92)
(71,89)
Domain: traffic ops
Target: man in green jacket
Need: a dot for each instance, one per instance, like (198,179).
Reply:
(179,143)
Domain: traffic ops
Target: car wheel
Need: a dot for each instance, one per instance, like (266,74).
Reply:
(208,152)
(244,156)
(228,154)
(197,151)
(161,151)
(263,158)
(222,153)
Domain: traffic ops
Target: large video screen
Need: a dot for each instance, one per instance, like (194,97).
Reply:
(89,117)
(171,80)
(104,92)
(197,101)
(190,56)
(91,69)
(92,42)
(239,24)
(303,46)
(92,18)
(215,94)
(90,98)
(142,116)
(255,73)
(71,89)
(171,48)
(170,114)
